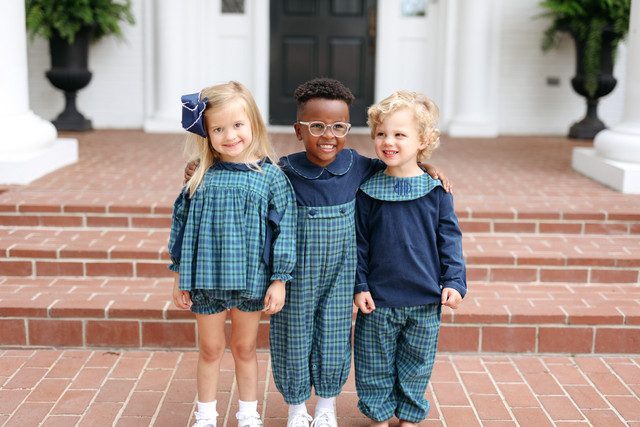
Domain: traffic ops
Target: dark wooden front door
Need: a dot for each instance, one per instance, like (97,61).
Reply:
(321,38)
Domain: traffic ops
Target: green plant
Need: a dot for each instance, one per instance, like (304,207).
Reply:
(586,19)
(67,17)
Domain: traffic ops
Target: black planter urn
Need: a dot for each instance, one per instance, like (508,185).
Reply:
(590,125)
(69,73)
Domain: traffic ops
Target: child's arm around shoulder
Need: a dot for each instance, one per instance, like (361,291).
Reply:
(190,169)
(436,174)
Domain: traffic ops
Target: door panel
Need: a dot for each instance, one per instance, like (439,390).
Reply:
(321,38)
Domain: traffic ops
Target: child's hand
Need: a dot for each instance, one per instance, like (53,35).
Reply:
(436,174)
(190,169)
(364,302)
(181,299)
(451,298)
(274,299)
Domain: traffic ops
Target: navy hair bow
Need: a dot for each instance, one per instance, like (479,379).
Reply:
(192,111)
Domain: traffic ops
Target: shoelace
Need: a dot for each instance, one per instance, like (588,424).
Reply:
(323,419)
(301,419)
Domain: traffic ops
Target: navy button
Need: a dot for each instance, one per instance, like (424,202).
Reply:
(342,210)
(312,212)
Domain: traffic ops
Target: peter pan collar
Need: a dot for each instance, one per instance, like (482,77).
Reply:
(395,189)
(231,166)
(299,164)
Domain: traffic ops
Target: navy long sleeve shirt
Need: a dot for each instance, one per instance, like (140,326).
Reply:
(409,241)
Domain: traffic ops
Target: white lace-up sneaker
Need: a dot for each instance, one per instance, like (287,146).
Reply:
(299,419)
(252,420)
(325,418)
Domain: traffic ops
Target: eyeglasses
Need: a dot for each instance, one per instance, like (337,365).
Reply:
(318,128)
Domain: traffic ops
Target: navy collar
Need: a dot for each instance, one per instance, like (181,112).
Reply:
(231,166)
(300,164)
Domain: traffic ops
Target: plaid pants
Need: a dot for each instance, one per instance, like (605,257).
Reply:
(394,350)
(310,338)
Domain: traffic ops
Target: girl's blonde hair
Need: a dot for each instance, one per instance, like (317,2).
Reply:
(426,115)
(219,97)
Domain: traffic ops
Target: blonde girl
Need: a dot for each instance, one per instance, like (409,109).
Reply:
(232,240)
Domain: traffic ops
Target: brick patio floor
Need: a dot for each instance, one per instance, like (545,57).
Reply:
(549,334)
(140,388)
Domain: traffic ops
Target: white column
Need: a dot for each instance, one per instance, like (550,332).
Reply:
(29,147)
(615,160)
(168,43)
(474,110)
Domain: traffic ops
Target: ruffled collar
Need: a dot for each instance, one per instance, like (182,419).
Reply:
(396,189)
(231,166)
(299,164)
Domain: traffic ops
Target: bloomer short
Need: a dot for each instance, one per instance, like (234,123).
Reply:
(205,302)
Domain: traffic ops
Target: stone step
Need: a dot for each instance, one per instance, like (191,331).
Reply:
(527,258)
(153,211)
(494,317)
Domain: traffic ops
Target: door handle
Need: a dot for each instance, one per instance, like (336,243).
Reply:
(372,31)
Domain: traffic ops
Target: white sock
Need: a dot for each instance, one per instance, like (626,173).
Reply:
(206,410)
(247,408)
(294,409)
(325,403)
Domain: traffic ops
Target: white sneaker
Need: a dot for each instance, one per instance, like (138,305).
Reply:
(252,420)
(299,419)
(325,418)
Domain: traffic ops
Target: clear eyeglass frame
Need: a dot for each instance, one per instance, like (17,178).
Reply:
(339,129)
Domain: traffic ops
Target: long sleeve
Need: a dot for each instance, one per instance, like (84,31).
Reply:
(178,222)
(362,241)
(452,266)
(283,213)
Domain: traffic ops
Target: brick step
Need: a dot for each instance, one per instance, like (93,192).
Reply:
(39,210)
(152,214)
(495,317)
(143,253)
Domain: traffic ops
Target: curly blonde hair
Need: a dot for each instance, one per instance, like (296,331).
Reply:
(219,97)
(426,116)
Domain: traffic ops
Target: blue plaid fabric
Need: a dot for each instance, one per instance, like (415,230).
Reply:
(237,232)
(394,353)
(311,337)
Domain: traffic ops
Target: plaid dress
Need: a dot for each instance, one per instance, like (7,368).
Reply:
(409,248)
(311,337)
(237,233)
